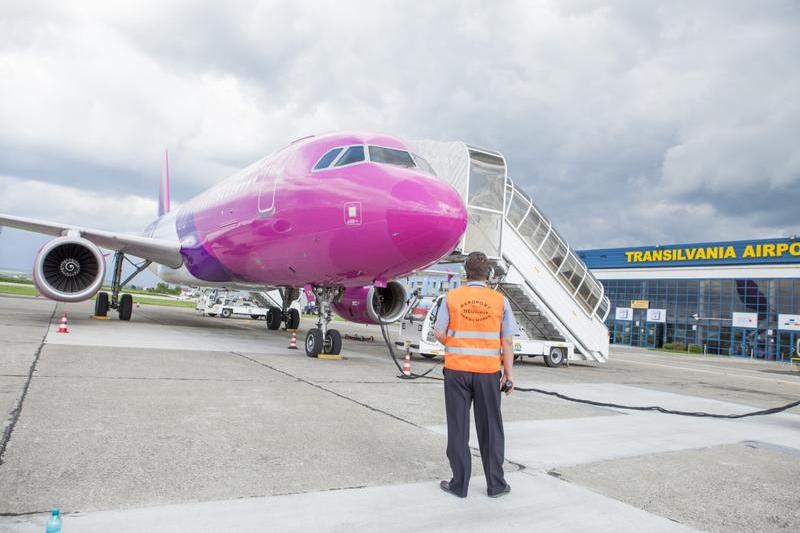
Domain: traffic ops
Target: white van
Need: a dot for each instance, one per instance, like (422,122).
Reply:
(416,335)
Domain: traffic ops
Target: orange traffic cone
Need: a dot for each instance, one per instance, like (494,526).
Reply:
(62,328)
(407,364)
(293,342)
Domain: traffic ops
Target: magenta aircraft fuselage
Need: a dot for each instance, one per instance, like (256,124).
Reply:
(281,222)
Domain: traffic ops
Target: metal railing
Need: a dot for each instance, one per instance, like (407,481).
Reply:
(544,241)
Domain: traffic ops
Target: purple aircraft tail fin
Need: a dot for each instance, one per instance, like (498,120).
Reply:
(163,194)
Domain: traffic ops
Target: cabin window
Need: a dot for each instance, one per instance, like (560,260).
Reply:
(354,154)
(326,160)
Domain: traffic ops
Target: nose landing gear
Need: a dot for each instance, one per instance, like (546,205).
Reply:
(321,339)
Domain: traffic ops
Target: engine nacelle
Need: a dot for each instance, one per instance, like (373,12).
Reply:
(69,269)
(360,304)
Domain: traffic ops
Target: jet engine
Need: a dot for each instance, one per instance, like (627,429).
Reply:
(69,269)
(360,304)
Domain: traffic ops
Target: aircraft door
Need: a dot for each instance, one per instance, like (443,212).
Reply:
(267,184)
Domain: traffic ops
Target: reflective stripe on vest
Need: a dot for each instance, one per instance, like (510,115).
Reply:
(472,351)
(473,341)
(472,334)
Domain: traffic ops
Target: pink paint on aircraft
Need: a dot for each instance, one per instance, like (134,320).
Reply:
(282,222)
(340,215)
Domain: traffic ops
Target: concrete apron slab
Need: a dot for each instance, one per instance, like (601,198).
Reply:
(537,502)
(545,444)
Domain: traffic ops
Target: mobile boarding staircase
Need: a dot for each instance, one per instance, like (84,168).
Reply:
(553,295)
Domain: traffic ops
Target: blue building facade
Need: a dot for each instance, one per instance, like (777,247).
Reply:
(739,298)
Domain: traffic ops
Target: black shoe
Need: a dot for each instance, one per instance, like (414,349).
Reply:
(503,492)
(445,486)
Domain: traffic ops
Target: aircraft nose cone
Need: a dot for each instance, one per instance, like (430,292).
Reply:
(428,219)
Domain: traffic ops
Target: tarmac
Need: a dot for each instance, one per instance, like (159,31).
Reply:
(174,422)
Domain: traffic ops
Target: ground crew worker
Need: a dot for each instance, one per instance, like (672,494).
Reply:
(476,326)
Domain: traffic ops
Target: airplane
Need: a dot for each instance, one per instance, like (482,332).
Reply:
(339,215)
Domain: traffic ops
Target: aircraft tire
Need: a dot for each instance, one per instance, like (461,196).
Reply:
(273,318)
(226,313)
(428,355)
(333,342)
(255,317)
(293,322)
(313,342)
(555,358)
(212,314)
(101,304)
(125,307)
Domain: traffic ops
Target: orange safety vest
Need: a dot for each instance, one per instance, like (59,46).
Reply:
(473,335)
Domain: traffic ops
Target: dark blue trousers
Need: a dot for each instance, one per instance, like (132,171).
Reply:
(461,390)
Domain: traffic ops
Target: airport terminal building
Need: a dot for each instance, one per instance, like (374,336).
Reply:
(738,298)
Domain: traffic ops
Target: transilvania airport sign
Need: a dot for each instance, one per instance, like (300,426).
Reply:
(766,251)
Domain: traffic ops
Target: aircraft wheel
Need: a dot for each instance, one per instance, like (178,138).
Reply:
(255,317)
(212,314)
(555,358)
(101,304)
(428,355)
(333,342)
(226,313)
(293,322)
(313,342)
(273,318)
(125,307)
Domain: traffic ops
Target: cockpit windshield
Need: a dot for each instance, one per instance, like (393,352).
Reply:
(391,156)
(354,154)
(398,158)
(326,160)
(341,156)
(423,164)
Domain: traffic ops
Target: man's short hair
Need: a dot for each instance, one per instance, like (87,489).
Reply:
(477,266)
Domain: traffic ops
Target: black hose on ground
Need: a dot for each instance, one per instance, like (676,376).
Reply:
(659,409)
(388,342)
(656,408)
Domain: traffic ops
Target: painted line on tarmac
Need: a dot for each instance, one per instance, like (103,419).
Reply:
(690,369)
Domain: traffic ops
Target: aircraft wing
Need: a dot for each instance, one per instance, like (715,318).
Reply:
(160,251)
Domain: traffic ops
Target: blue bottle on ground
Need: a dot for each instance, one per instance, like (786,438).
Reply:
(54,523)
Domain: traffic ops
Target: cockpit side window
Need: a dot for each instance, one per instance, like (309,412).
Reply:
(354,154)
(423,164)
(326,160)
(391,156)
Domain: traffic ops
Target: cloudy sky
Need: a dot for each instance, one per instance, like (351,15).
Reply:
(629,122)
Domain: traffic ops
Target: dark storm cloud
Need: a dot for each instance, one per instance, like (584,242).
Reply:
(629,122)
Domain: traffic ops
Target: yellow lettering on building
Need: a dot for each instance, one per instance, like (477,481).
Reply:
(749,251)
(781,248)
(794,248)
(769,250)
(629,256)
(637,256)
(657,255)
(730,252)
(713,253)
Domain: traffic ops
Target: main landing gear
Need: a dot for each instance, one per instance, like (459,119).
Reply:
(123,304)
(286,315)
(321,339)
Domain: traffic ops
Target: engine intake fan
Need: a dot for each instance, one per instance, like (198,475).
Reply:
(69,269)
